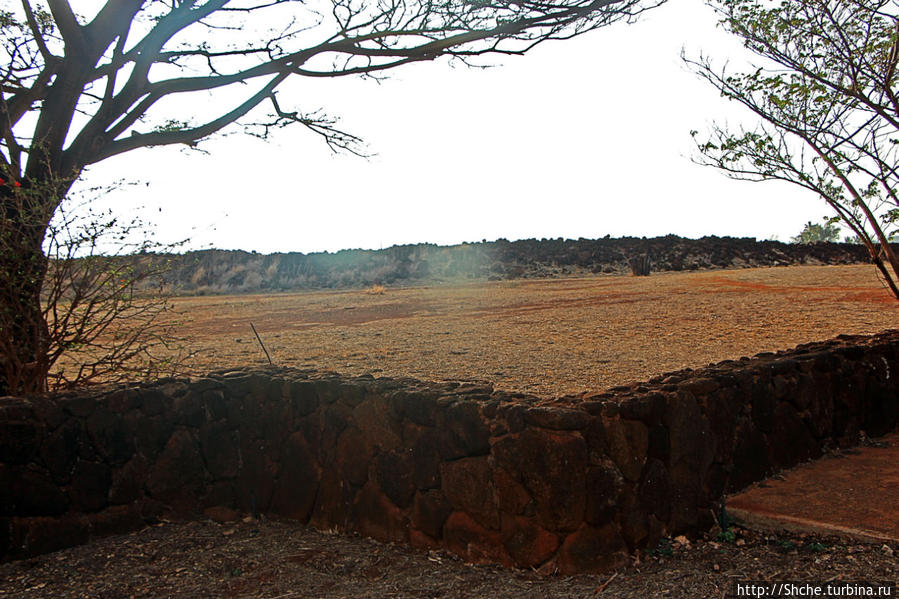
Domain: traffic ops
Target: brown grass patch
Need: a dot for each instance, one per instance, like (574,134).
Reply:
(548,337)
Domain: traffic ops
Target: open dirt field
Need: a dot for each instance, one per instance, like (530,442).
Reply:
(546,337)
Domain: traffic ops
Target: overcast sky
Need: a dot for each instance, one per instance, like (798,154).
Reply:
(580,138)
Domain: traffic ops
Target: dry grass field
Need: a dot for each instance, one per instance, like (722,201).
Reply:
(547,337)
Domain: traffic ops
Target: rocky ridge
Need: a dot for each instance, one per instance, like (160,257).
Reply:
(224,271)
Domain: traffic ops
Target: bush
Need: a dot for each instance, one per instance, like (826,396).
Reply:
(814,233)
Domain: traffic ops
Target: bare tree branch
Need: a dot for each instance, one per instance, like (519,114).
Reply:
(370,37)
(68,25)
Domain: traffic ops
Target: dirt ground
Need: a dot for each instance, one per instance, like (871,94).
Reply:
(546,337)
(282,559)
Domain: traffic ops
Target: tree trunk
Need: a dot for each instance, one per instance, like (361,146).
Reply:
(24,219)
(640,265)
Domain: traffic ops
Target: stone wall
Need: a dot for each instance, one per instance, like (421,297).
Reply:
(573,484)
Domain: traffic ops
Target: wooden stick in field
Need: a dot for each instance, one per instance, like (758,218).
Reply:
(258,338)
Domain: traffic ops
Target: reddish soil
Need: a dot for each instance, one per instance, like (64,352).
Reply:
(547,337)
(851,493)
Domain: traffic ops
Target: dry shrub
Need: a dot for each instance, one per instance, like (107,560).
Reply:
(102,315)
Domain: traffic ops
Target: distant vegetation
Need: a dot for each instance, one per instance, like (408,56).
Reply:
(220,271)
(815,233)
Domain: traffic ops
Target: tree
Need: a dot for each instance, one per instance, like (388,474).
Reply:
(79,89)
(825,91)
(101,319)
(813,233)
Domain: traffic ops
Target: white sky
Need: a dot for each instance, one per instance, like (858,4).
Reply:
(580,138)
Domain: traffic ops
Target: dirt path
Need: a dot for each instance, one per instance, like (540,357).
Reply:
(547,337)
